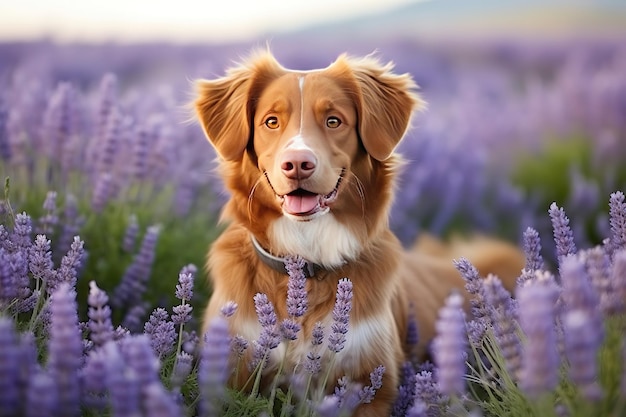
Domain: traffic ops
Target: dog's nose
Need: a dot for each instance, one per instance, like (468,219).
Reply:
(298,164)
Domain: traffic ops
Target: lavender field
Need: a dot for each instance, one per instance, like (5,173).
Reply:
(111,201)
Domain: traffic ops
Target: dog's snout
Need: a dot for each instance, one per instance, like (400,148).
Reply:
(298,164)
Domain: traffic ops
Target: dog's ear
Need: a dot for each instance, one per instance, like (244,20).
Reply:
(385,102)
(224,106)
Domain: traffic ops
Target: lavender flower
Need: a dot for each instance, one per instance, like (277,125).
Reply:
(229,309)
(133,284)
(449,346)
(296,287)
(578,293)
(130,235)
(6,150)
(122,383)
(41,395)
(181,314)
(503,316)
(418,409)
(103,192)
(341,316)
(40,259)
(563,235)
(49,221)
(581,349)
(70,266)
(473,285)
(137,352)
(406,390)
(269,337)
(289,328)
(65,349)
(532,249)
(134,318)
(618,280)
(9,368)
(617,220)
(213,369)
(313,364)
(184,288)
(539,371)
(366,395)
(238,345)
(99,315)
(182,369)
(20,238)
(598,265)
(161,331)
(158,402)
(71,224)
(427,392)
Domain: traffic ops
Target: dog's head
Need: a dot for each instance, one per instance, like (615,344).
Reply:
(310,150)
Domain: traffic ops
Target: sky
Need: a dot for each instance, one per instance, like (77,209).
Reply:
(173,20)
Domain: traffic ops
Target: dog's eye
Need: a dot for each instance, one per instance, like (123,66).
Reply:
(333,122)
(272,122)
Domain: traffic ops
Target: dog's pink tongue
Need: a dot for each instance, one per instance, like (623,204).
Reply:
(300,204)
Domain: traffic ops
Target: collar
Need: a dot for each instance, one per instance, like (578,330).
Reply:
(277,263)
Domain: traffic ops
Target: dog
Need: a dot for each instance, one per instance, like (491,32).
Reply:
(309,160)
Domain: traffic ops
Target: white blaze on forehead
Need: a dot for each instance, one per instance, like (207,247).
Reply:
(297,142)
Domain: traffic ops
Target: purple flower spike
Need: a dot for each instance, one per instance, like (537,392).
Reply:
(133,284)
(289,329)
(366,395)
(617,220)
(158,402)
(49,221)
(213,371)
(238,345)
(503,313)
(563,235)
(123,385)
(229,309)
(41,395)
(540,364)
(22,229)
(40,259)
(297,301)
(102,191)
(581,349)
(578,292)
(184,288)
(265,310)
(618,280)
(70,265)
(65,347)
(532,249)
(341,316)
(99,315)
(9,368)
(449,346)
(130,235)
(139,357)
(427,390)
(269,337)
(182,369)
(161,331)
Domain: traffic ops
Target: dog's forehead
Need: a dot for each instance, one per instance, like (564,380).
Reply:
(296,85)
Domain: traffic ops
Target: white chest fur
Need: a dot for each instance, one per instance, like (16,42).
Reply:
(322,240)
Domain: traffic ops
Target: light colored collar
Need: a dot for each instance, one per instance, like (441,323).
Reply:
(277,263)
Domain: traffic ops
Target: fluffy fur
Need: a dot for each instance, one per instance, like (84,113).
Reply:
(308,158)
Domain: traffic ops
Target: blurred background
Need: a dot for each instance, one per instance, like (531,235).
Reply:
(527,106)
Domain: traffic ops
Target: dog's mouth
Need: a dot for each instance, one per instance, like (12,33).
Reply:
(305,205)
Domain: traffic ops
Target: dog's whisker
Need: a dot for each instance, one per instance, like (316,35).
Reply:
(251,196)
(360,189)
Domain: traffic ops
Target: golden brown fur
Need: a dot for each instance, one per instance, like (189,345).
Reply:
(331,132)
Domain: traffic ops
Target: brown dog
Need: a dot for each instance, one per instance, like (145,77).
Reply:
(309,160)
